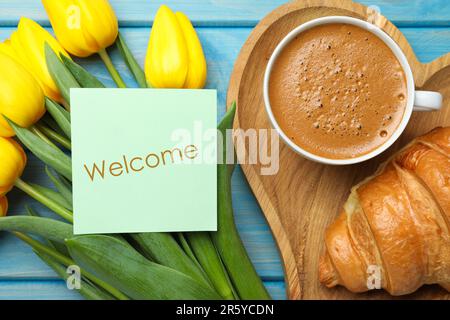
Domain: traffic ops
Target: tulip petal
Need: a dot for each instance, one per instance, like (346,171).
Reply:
(6,48)
(65,17)
(5,189)
(3,206)
(196,76)
(21,98)
(100,25)
(13,161)
(28,42)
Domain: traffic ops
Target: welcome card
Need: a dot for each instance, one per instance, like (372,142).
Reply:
(144,160)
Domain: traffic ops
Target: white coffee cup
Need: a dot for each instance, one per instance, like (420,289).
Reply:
(416,100)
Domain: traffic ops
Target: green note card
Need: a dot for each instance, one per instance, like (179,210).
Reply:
(144,160)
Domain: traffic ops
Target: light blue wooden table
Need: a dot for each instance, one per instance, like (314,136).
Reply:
(223,26)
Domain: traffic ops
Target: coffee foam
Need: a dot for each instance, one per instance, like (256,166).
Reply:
(338,91)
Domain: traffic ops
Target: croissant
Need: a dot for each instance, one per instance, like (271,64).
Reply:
(395,225)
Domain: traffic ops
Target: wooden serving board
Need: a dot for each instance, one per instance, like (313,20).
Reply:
(304,197)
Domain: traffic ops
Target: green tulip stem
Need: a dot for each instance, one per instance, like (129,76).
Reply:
(111,69)
(32,192)
(55,136)
(41,135)
(66,261)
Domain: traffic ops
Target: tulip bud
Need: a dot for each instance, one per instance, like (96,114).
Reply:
(3,206)
(167,61)
(21,97)
(29,45)
(83,27)
(175,56)
(13,160)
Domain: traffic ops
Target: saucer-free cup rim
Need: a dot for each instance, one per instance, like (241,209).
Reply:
(395,50)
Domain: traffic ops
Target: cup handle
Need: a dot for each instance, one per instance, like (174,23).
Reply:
(427,101)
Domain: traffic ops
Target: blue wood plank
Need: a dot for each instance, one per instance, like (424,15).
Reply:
(233,12)
(36,290)
(428,43)
(57,290)
(277,289)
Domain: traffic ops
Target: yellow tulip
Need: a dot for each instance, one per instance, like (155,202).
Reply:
(13,161)
(29,45)
(83,27)
(167,62)
(3,206)
(196,76)
(21,97)
(175,56)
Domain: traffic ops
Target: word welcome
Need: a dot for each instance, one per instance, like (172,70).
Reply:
(137,164)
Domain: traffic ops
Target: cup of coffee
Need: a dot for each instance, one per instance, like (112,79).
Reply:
(340,91)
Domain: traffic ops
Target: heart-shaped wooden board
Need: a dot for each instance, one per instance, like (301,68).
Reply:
(304,197)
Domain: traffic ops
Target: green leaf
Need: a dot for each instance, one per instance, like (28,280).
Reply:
(224,125)
(67,261)
(48,120)
(209,259)
(44,227)
(66,182)
(53,136)
(131,62)
(52,195)
(60,247)
(83,77)
(187,248)
(60,74)
(227,241)
(117,263)
(162,248)
(53,157)
(60,115)
(61,185)
(87,290)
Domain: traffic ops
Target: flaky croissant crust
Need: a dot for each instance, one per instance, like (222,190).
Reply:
(395,223)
